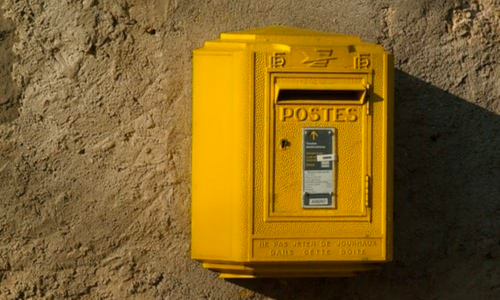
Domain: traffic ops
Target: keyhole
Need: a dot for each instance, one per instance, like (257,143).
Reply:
(284,143)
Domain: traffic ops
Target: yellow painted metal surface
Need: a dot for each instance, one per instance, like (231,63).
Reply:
(292,154)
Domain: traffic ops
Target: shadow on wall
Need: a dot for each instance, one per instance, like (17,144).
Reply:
(446,206)
(9,102)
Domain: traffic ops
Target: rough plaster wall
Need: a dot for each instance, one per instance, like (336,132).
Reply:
(95,147)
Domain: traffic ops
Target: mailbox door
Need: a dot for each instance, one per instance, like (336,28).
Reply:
(321,147)
(345,109)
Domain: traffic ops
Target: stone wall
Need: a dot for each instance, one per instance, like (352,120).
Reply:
(95,104)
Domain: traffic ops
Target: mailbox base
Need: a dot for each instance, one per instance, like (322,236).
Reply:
(284,270)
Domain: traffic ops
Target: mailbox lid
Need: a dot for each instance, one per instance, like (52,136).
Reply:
(289,35)
(281,39)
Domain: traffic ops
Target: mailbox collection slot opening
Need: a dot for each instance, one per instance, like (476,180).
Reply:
(320,95)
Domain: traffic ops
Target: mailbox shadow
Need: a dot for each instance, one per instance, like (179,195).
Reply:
(446,206)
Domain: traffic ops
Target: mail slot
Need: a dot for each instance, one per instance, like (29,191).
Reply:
(291,154)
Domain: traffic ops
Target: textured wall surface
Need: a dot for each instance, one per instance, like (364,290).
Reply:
(95,147)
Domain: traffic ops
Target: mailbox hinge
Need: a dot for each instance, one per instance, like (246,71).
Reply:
(367,190)
(368,108)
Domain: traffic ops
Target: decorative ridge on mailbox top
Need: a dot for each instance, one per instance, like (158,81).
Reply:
(279,31)
(282,37)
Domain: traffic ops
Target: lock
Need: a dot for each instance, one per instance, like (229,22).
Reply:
(284,143)
(291,154)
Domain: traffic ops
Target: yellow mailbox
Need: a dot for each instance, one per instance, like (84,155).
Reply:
(292,154)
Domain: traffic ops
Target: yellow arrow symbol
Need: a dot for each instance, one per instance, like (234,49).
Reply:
(314,135)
